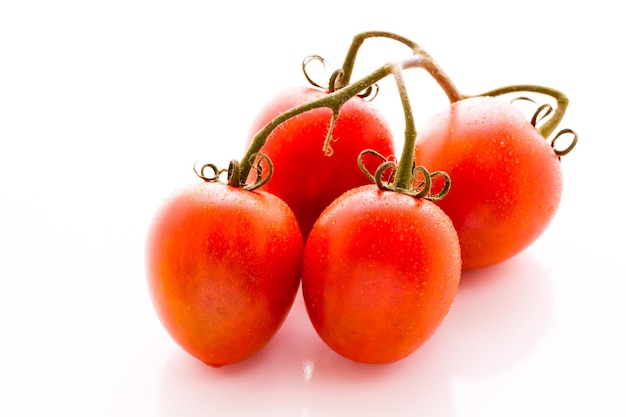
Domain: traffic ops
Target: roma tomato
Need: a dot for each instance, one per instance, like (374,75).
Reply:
(380,272)
(506,178)
(223,267)
(304,177)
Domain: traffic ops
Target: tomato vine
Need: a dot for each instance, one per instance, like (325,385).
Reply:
(341,89)
(336,99)
(453,94)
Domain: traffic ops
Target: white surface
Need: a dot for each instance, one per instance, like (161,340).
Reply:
(104,108)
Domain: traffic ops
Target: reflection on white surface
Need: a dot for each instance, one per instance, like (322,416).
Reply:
(499,316)
(510,338)
(497,322)
(308,368)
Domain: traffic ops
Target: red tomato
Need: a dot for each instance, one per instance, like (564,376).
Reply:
(506,178)
(304,177)
(223,268)
(380,272)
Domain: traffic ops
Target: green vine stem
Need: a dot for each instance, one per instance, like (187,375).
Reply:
(547,128)
(342,90)
(404,173)
(435,70)
(335,100)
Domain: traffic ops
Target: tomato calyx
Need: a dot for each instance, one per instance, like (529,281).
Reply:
(234,178)
(386,173)
(404,176)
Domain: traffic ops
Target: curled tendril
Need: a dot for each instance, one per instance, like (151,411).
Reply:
(215,177)
(541,113)
(362,166)
(315,58)
(370,92)
(447,182)
(336,78)
(234,175)
(389,166)
(255,163)
(425,183)
(380,171)
(574,141)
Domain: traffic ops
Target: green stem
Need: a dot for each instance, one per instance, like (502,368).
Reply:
(437,72)
(404,173)
(547,128)
(333,101)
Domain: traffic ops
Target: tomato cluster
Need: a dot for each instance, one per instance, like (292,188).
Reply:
(378,244)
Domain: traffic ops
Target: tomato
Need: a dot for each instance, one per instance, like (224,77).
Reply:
(380,272)
(223,267)
(304,177)
(506,178)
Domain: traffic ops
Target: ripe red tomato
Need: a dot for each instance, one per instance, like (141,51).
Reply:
(506,178)
(304,177)
(380,272)
(223,267)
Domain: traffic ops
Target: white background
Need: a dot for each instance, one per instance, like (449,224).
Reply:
(104,108)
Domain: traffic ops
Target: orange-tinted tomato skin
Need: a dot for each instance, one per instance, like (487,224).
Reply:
(304,177)
(506,179)
(380,272)
(223,267)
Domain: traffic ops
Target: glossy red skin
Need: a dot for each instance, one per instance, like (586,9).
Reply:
(223,267)
(506,179)
(303,176)
(380,272)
